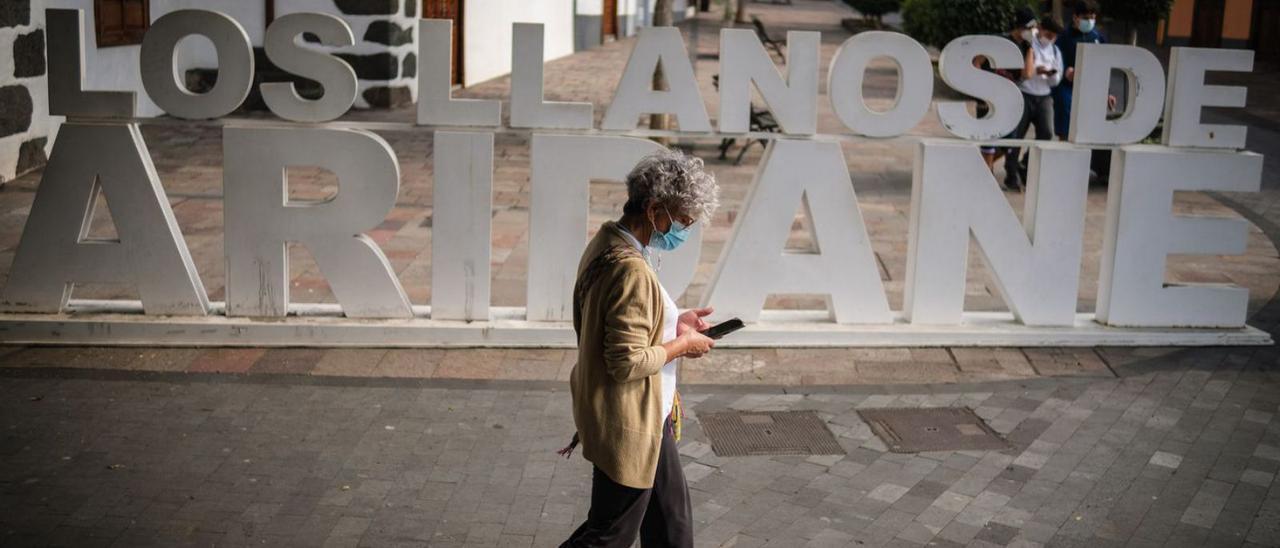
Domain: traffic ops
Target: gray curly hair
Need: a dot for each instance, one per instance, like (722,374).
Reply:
(673,179)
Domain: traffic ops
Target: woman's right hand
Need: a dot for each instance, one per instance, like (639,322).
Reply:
(696,344)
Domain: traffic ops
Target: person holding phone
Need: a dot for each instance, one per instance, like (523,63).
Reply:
(630,334)
(1042,71)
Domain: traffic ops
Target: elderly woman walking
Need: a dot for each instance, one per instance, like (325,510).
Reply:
(630,335)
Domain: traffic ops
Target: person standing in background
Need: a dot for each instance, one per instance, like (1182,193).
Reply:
(1041,72)
(1084,30)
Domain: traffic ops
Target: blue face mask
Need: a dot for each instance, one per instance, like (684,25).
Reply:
(672,239)
(1086,25)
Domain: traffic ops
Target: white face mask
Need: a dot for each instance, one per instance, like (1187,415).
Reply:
(1046,42)
(1029,34)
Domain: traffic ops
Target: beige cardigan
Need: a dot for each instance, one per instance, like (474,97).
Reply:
(617,392)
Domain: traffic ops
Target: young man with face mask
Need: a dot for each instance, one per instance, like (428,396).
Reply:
(1084,30)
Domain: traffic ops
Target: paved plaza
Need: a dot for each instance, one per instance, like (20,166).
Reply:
(1177,451)
(395,447)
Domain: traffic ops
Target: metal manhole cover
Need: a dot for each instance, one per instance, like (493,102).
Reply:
(912,430)
(746,433)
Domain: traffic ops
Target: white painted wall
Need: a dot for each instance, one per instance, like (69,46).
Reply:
(596,7)
(41,124)
(639,12)
(487,38)
(590,7)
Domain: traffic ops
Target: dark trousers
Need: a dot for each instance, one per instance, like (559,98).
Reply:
(1037,111)
(1100,159)
(661,515)
(1062,110)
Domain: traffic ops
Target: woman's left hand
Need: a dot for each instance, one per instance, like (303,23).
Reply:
(692,319)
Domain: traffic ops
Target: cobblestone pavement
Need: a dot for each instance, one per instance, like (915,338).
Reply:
(1110,447)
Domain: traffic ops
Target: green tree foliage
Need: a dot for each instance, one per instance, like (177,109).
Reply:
(937,22)
(873,10)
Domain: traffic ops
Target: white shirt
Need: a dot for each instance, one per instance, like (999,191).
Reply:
(670,318)
(1049,57)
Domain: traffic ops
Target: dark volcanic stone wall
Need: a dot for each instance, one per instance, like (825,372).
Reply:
(24,118)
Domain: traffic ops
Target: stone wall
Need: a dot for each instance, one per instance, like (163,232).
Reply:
(25,126)
(384,55)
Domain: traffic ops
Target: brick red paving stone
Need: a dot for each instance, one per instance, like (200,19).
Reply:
(226,360)
(471,363)
(164,359)
(38,356)
(535,364)
(409,363)
(349,362)
(288,361)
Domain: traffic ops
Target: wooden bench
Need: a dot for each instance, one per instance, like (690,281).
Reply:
(762,121)
(768,41)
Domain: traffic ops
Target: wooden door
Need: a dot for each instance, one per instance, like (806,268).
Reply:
(1206,29)
(609,21)
(1265,36)
(449,9)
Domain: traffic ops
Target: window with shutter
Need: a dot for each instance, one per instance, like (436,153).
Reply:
(120,22)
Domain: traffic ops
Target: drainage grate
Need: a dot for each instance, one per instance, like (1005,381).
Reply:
(932,429)
(745,433)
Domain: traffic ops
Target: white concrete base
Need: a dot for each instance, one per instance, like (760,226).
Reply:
(121,323)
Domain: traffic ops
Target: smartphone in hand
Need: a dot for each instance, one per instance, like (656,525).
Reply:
(724,328)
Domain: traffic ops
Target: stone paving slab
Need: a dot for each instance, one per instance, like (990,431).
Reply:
(165,457)
(811,368)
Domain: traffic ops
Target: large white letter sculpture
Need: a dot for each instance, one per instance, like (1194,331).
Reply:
(915,83)
(657,46)
(1145,82)
(754,264)
(1188,95)
(793,99)
(558,221)
(165,86)
(335,76)
(67,96)
(1035,263)
(528,109)
(1002,95)
(461,211)
(1142,231)
(436,105)
(260,219)
(56,250)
